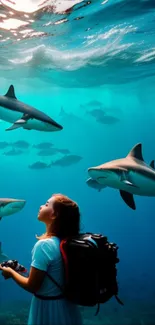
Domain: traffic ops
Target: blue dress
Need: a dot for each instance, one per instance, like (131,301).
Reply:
(46,255)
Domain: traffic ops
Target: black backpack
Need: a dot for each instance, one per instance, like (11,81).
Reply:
(90,270)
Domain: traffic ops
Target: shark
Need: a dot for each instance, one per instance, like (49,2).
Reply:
(10,206)
(3,257)
(130,175)
(24,116)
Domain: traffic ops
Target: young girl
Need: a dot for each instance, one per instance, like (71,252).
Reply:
(62,219)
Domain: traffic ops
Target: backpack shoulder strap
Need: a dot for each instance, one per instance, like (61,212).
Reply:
(64,256)
(55,282)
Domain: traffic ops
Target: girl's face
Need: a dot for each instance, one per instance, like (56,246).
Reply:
(46,211)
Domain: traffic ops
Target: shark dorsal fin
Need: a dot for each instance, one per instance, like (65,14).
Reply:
(152,164)
(136,152)
(11,92)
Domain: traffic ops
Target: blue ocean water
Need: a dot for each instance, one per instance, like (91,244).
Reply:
(79,61)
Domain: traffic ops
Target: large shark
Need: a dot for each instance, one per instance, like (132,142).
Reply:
(130,175)
(10,206)
(23,115)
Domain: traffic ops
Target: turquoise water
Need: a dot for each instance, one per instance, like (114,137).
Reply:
(79,65)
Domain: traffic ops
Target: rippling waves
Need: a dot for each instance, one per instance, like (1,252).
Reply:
(77,43)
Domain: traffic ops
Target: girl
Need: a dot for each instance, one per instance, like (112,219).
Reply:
(62,219)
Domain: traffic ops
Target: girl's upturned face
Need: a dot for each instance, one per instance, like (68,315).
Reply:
(46,211)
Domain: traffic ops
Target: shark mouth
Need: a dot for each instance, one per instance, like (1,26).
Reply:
(103,177)
(98,174)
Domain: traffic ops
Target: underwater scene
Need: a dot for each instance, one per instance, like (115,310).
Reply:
(77,117)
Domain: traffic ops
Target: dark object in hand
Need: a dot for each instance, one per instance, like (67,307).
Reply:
(14,265)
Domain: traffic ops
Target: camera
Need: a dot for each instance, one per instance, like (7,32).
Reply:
(14,265)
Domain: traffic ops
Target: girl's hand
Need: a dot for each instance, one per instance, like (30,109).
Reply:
(6,272)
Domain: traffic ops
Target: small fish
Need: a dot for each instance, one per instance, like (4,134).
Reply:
(69,117)
(108,119)
(3,144)
(92,103)
(63,113)
(97,113)
(13,152)
(43,145)
(67,160)
(39,165)
(20,144)
(64,151)
(47,152)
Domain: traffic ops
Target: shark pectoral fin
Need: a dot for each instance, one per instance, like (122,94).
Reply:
(125,178)
(125,181)
(16,125)
(13,127)
(128,199)
(152,164)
